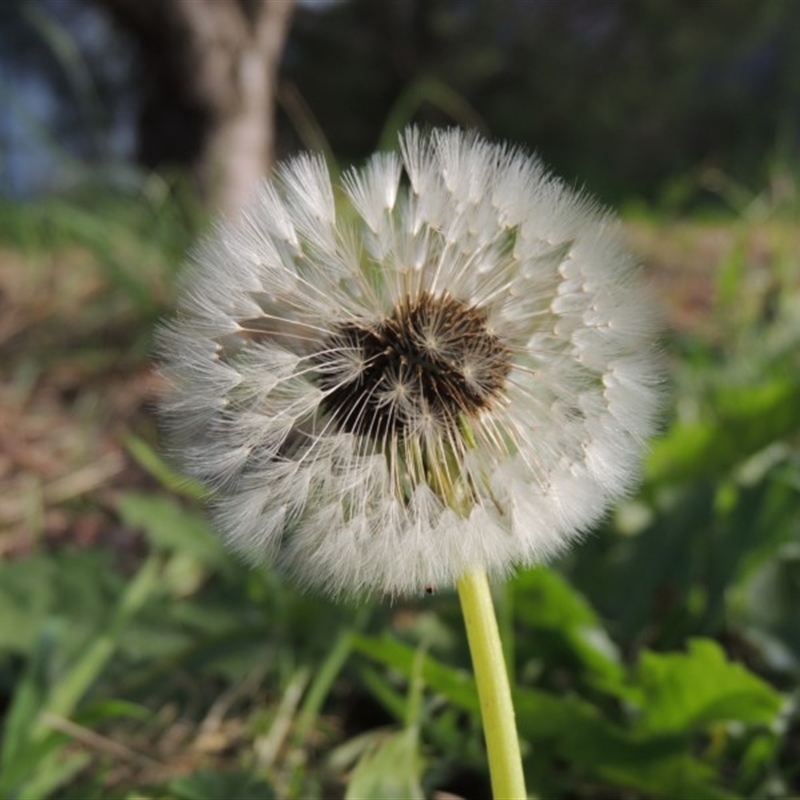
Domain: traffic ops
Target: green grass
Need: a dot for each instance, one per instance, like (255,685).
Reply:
(138,659)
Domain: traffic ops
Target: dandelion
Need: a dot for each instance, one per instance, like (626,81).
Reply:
(450,369)
(443,368)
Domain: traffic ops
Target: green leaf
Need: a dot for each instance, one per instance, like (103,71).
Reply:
(731,274)
(685,692)
(771,599)
(659,563)
(389,769)
(384,692)
(28,702)
(570,729)
(762,519)
(217,784)
(70,689)
(171,527)
(49,772)
(543,600)
(104,710)
(33,761)
(79,587)
(746,420)
(457,685)
(149,460)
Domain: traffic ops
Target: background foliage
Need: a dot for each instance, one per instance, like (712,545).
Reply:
(661,659)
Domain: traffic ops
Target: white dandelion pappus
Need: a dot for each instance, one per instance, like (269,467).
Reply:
(447,365)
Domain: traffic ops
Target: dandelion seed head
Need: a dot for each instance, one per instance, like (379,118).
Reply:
(448,365)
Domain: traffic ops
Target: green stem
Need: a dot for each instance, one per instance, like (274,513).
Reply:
(494,692)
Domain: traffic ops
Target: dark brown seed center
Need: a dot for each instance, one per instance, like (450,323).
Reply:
(431,358)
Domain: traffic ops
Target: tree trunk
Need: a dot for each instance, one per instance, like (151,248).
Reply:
(236,57)
(210,72)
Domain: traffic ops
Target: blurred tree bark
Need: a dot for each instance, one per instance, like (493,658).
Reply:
(209,71)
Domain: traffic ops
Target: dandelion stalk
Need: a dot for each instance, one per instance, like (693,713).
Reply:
(494,693)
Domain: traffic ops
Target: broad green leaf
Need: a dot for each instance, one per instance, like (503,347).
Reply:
(687,692)
(570,729)
(676,777)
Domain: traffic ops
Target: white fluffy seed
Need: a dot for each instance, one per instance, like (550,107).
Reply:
(457,372)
